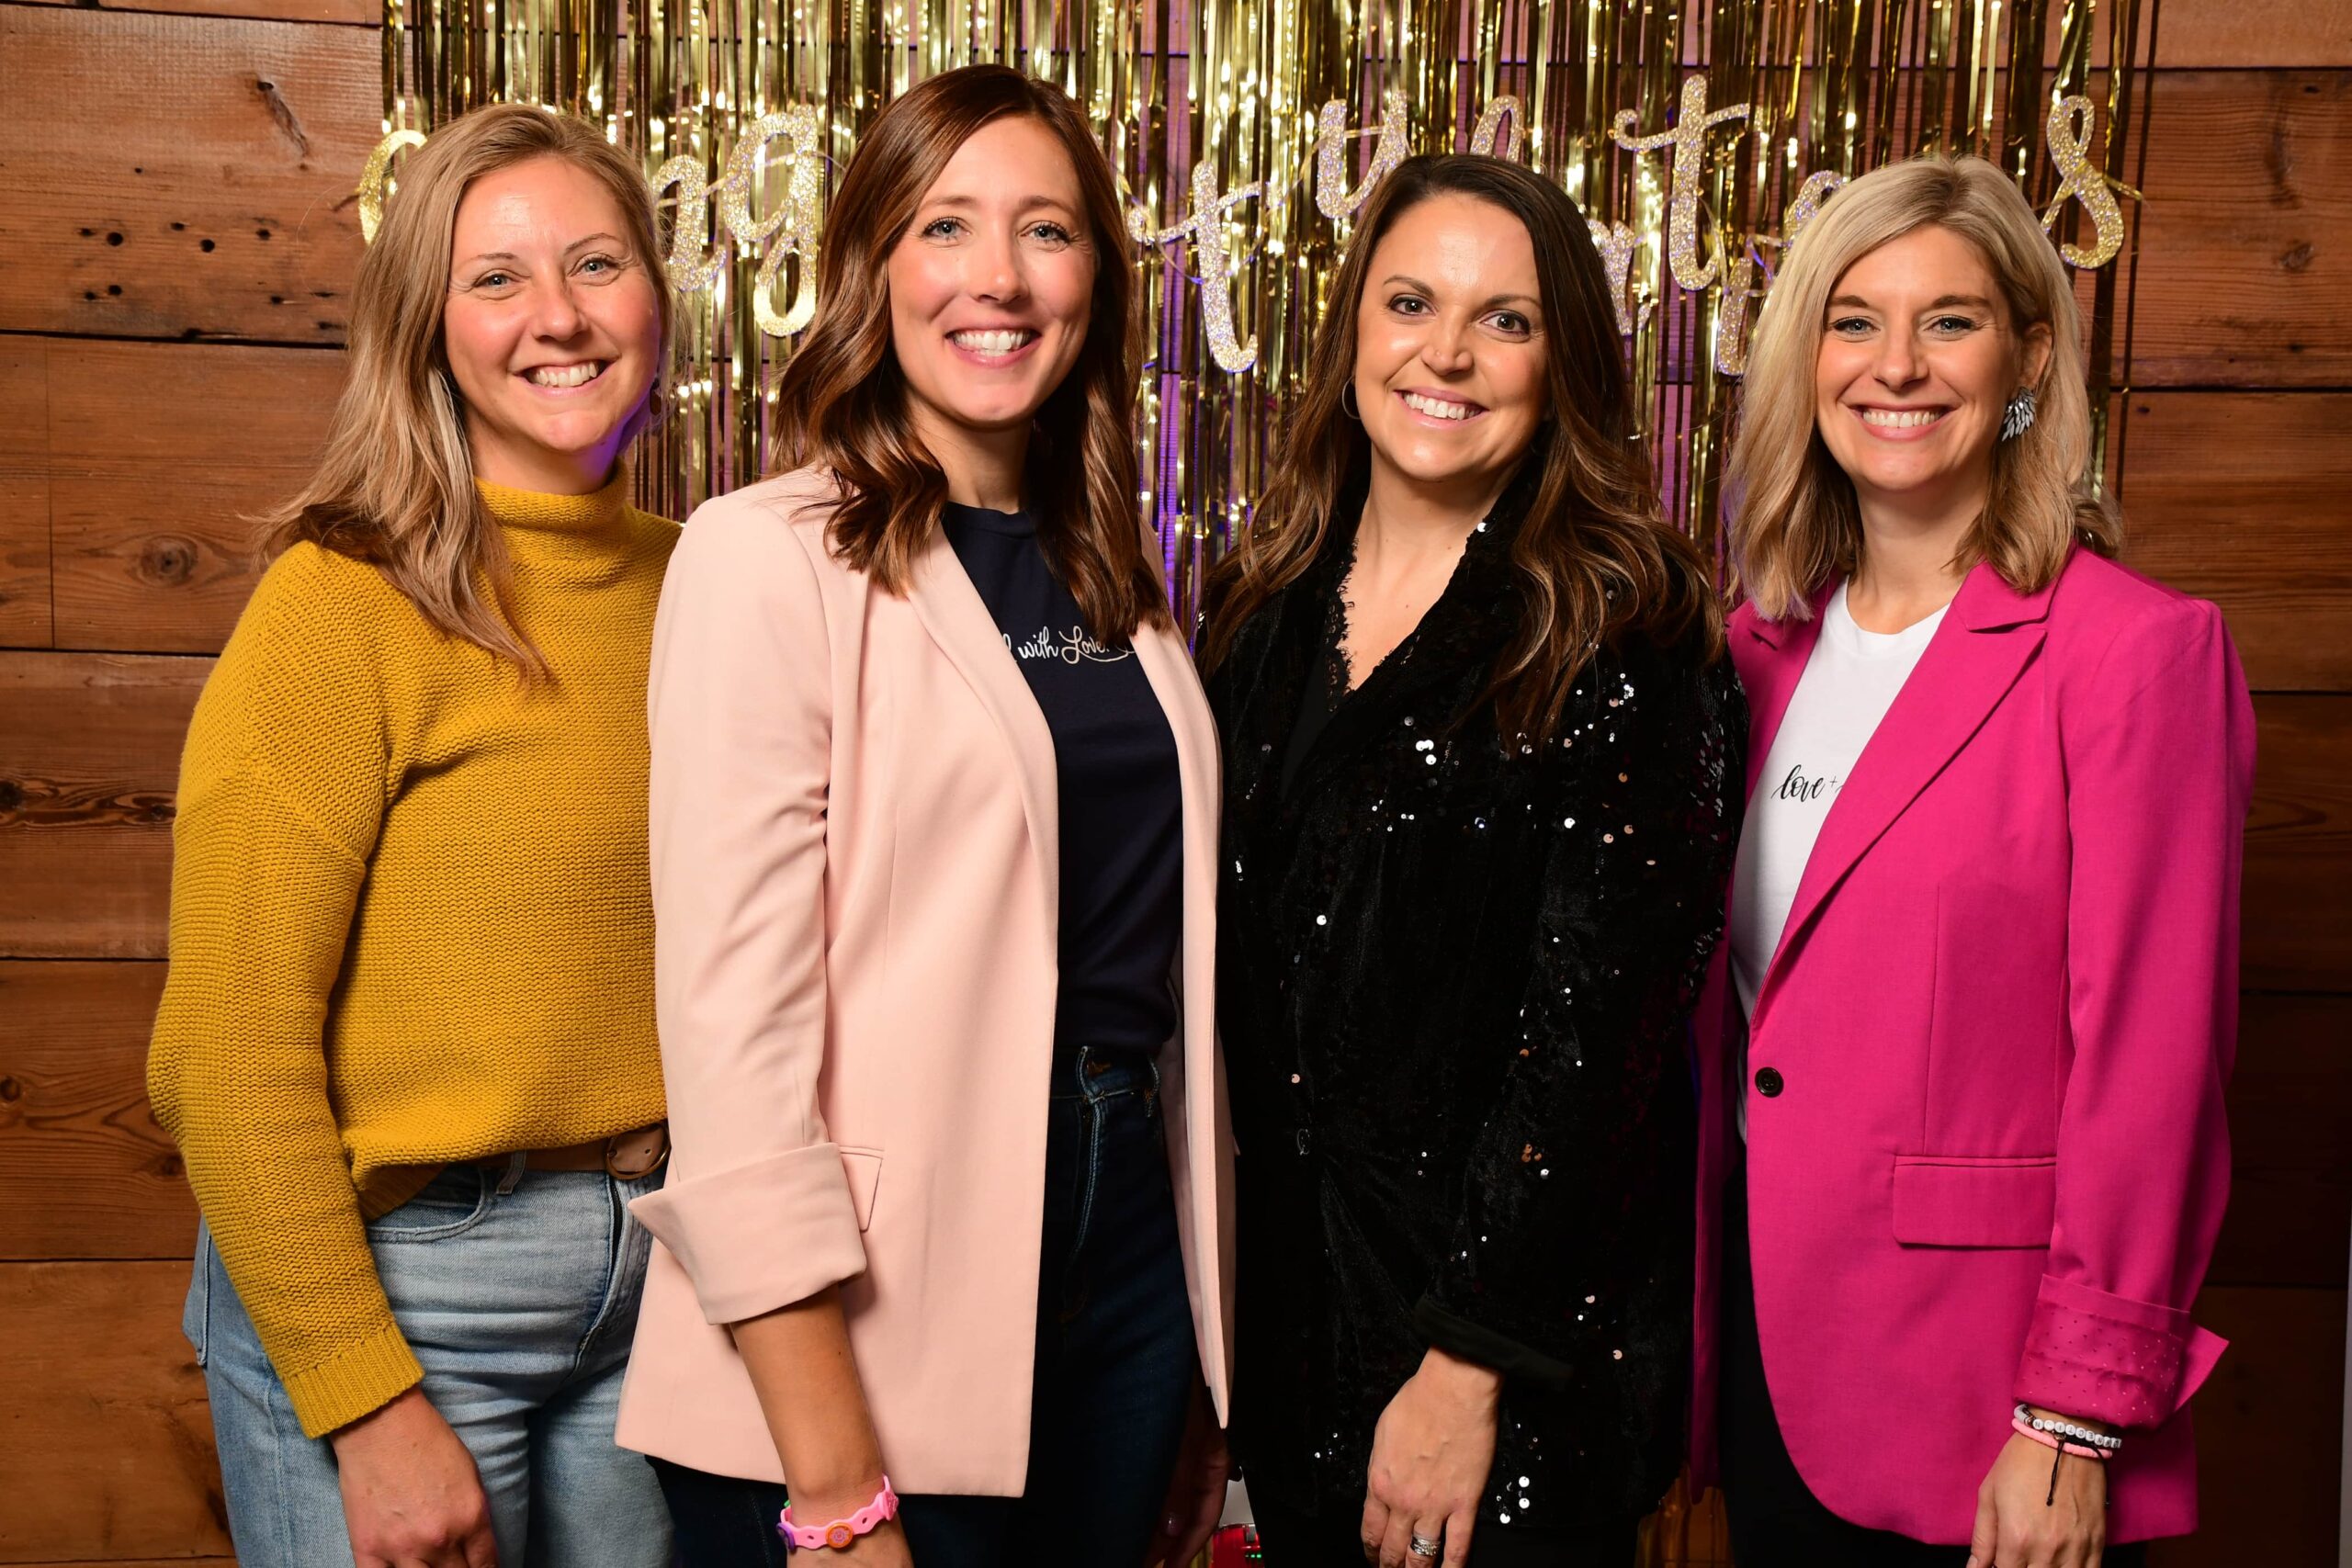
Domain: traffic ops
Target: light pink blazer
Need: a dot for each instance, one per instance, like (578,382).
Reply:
(2002,1009)
(855,890)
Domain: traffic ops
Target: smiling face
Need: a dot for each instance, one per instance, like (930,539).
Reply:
(1450,354)
(552,329)
(991,287)
(1920,356)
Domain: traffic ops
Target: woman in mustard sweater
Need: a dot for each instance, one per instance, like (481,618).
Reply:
(407,1043)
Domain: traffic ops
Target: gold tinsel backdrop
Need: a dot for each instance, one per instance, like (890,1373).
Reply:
(1697,138)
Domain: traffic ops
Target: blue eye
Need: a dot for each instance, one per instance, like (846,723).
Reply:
(940,228)
(1052,232)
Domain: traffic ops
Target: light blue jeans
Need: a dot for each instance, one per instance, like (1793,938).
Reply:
(519,1296)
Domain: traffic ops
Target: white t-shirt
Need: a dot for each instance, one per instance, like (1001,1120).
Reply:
(1849,681)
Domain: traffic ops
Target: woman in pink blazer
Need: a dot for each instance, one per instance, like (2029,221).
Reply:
(1965,1154)
(934,835)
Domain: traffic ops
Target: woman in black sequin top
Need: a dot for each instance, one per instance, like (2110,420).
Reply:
(1483,756)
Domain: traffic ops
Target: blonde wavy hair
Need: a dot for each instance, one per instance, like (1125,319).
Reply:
(1797,521)
(396,487)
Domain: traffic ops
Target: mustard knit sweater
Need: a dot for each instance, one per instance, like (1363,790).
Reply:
(412,922)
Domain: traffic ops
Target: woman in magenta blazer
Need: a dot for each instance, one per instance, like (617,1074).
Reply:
(1965,1154)
(934,798)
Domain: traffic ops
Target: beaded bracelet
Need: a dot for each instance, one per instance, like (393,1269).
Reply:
(2049,1441)
(2059,1448)
(2105,1441)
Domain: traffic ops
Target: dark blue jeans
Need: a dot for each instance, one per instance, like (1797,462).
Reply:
(1115,1364)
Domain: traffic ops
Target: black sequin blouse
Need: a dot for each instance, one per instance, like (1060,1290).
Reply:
(1454,977)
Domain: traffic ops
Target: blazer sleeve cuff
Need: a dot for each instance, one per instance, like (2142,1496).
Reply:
(762,1235)
(2110,1357)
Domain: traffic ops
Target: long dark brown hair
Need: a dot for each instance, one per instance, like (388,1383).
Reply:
(1593,557)
(842,401)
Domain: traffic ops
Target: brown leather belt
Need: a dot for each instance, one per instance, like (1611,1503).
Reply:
(624,1157)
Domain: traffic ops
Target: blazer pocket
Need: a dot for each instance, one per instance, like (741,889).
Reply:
(863,1168)
(1954,1202)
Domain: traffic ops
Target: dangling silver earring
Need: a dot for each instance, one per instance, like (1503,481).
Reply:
(2019,416)
(1345,406)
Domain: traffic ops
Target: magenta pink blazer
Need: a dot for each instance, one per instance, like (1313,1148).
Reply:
(854,854)
(2002,1012)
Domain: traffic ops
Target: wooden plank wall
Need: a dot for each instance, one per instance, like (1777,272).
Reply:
(179,234)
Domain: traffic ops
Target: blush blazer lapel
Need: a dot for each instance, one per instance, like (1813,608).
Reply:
(1986,640)
(952,611)
(1204,1186)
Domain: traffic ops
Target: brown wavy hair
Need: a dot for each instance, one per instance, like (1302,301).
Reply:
(1594,558)
(842,401)
(396,486)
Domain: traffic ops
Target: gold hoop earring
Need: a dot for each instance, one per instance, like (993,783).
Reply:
(1345,406)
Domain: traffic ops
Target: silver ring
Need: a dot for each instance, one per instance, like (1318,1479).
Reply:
(1421,1546)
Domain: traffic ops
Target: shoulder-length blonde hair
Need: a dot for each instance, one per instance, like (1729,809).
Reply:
(1797,521)
(1593,558)
(397,485)
(841,401)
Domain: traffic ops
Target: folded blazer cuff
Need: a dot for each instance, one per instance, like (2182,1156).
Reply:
(762,1235)
(2110,1358)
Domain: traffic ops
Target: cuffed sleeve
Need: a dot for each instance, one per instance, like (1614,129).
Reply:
(1592,1124)
(758,1209)
(761,1235)
(2126,1362)
(2159,753)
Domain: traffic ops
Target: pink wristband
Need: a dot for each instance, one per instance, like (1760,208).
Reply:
(2049,1440)
(838,1535)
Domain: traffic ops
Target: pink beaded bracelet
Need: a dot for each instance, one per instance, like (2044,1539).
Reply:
(2049,1440)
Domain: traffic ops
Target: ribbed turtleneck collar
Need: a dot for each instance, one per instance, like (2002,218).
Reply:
(559,528)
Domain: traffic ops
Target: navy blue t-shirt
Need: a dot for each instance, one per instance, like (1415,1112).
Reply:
(1122,805)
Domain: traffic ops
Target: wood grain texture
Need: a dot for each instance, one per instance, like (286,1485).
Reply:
(2276,34)
(2290,1133)
(215,201)
(24,495)
(84,1172)
(354,12)
(103,1420)
(2245,242)
(2270,1432)
(2298,893)
(89,758)
(166,566)
(2237,497)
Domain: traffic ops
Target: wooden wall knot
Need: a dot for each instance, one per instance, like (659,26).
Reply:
(282,114)
(167,560)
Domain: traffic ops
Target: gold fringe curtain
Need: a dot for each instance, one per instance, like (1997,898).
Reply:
(1696,135)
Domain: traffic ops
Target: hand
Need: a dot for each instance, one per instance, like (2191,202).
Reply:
(1430,1456)
(1196,1489)
(2019,1524)
(411,1495)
